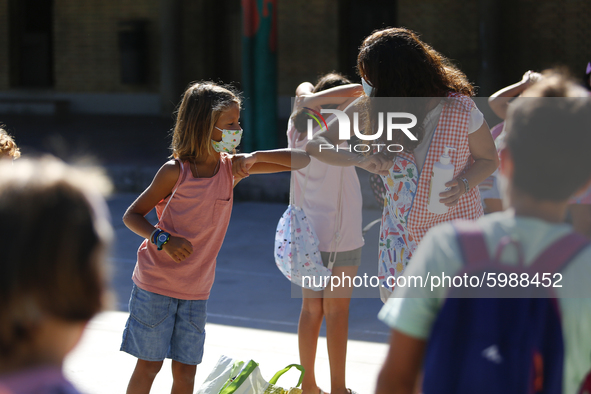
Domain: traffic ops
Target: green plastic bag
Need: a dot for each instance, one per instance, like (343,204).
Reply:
(238,377)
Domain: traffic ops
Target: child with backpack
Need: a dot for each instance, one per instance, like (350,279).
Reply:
(487,343)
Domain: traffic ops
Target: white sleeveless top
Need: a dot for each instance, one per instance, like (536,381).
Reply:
(321,198)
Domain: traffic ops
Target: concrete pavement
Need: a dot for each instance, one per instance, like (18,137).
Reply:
(252,312)
(97,367)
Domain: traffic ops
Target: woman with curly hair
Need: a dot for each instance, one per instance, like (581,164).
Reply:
(395,63)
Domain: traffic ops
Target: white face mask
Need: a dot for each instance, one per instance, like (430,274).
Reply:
(366,87)
(230,140)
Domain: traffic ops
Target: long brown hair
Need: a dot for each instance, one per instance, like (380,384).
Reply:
(396,63)
(197,114)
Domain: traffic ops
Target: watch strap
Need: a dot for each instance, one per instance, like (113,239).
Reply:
(154,235)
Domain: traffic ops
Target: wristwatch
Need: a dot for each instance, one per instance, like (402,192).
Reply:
(466,185)
(162,239)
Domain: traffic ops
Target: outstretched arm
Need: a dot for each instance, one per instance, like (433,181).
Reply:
(268,161)
(323,147)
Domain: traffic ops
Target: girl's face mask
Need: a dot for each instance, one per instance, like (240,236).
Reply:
(366,87)
(230,140)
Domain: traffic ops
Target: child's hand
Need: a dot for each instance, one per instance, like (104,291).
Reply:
(178,248)
(242,163)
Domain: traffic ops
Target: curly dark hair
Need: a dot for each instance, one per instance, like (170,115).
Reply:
(396,63)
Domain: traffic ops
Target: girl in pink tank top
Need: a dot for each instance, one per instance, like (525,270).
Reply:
(176,261)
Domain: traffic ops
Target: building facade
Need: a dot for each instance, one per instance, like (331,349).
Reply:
(136,56)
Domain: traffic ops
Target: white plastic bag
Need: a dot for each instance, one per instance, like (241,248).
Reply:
(230,376)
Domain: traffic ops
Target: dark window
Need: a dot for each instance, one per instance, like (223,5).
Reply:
(31,43)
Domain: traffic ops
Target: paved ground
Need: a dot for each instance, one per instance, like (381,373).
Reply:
(252,312)
(96,367)
(249,290)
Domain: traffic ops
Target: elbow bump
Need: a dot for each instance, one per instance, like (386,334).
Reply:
(311,148)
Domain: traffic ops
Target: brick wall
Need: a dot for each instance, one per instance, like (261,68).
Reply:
(86,52)
(541,34)
(449,26)
(532,34)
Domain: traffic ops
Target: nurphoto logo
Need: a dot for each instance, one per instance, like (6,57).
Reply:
(344,124)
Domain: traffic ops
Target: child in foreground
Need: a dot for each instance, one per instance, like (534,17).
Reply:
(55,229)
(538,190)
(176,262)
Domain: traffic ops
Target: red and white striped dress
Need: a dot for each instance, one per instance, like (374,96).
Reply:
(405,219)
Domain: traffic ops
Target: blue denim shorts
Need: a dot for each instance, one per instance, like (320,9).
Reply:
(162,327)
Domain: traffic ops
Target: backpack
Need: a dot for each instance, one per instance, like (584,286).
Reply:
(499,340)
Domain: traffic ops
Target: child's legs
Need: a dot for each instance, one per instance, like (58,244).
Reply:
(143,376)
(336,313)
(308,331)
(186,346)
(183,376)
(147,335)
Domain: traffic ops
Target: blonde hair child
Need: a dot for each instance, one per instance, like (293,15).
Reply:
(192,195)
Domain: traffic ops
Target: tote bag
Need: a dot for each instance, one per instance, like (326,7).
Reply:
(230,376)
(296,245)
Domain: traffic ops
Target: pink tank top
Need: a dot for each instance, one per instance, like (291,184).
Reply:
(200,212)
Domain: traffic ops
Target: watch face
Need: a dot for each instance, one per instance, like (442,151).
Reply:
(162,237)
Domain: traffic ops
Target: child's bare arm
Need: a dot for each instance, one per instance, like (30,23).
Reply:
(499,101)
(304,88)
(322,147)
(402,367)
(337,95)
(134,218)
(264,162)
(161,186)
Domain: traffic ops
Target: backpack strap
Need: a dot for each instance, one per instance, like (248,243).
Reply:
(472,242)
(559,254)
(174,191)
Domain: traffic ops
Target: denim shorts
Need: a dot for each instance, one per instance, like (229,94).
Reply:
(162,327)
